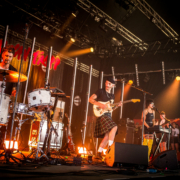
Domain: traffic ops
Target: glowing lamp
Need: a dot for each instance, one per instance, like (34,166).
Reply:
(82,150)
(178,78)
(73,40)
(11,145)
(73,14)
(92,49)
(104,151)
(130,82)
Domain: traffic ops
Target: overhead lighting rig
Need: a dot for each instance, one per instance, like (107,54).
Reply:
(151,14)
(110,22)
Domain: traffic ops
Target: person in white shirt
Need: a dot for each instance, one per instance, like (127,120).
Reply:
(174,137)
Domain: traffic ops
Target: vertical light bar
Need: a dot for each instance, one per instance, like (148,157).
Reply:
(122,95)
(113,78)
(87,102)
(137,75)
(72,90)
(100,87)
(163,73)
(48,67)
(101,80)
(5,36)
(25,91)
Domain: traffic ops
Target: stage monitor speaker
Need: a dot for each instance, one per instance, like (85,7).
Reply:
(166,159)
(122,153)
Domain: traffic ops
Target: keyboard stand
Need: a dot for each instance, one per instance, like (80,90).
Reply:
(157,148)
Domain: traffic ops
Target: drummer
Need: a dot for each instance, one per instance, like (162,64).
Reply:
(7,54)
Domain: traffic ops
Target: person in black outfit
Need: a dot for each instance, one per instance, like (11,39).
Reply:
(149,119)
(7,56)
(105,127)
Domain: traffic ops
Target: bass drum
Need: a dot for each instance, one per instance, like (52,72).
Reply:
(4,109)
(39,99)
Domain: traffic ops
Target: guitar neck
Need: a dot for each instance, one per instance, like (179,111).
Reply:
(124,102)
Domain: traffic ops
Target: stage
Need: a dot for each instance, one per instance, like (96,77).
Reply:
(66,169)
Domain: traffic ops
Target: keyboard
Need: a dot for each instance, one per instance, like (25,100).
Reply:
(159,129)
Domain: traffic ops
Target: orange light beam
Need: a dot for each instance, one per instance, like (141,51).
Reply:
(67,23)
(127,88)
(66,47)
(78,52)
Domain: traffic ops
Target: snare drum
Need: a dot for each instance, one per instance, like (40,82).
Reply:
(4,109)
(39,99)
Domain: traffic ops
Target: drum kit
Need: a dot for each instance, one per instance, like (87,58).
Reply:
(39,102)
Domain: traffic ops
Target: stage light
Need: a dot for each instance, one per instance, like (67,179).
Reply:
(11,145)
(104,151)
(178,78)
(92,49)
(130,82)
(82,150)
(75,13)
(72,40)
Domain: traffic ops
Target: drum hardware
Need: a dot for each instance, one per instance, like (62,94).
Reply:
(38,149)
(3,85)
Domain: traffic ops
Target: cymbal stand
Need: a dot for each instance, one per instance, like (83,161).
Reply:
(3,86)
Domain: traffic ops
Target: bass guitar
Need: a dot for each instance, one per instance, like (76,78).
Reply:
(110,107)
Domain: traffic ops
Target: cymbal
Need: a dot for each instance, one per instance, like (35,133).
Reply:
(11,76)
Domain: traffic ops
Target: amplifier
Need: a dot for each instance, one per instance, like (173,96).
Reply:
(121,153)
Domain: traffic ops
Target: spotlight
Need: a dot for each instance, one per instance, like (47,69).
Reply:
(92,49)
(72,40)
(75,13)
(130,82)
(178,78)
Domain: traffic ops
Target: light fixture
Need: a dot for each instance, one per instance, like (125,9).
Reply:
(130,81)
(73,40)
(11,145)
(92,49)
(146,78)
(75,13)
(178,78)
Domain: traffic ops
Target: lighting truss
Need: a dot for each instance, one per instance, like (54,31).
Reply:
(111,23)
(148,11)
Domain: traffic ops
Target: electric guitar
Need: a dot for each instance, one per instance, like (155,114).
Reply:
(110,107)
(70,143)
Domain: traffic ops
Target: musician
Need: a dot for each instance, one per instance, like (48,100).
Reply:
(163,121)
(149,119)
(105,127)
(7,54)
(174,137)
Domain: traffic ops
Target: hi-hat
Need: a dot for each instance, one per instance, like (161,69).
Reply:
(11,76)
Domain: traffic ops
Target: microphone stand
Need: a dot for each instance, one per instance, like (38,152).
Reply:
(144,103)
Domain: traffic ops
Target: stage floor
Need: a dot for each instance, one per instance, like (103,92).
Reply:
(96,170)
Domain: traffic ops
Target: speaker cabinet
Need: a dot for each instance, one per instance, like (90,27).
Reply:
(127,154)
(166,159)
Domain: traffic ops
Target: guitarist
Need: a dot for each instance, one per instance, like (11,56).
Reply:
(105,127)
